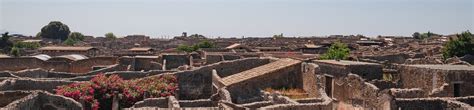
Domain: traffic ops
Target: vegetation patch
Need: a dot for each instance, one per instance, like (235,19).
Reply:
(100,90)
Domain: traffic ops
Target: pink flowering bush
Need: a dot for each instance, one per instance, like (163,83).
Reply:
(100,90)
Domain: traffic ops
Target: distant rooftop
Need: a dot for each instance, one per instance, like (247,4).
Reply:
(140,49)
(445,67)
(66,48)
(345,62)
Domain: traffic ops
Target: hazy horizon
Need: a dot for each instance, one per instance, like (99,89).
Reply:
(238,18)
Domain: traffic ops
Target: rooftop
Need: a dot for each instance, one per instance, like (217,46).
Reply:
(140,49)
(344,62)
(67,48)
(445,67)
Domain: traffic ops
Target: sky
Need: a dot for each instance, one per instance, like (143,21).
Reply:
(237,18)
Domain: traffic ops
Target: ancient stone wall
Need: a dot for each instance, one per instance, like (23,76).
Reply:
(210,59)
(288,77)
(175,60)
(309,78)
(366,71)
(197,103)
(80,66)
(437,82)
(382,84)
(392,58)
(406,93)
(44,101)
(31,84)
(16,64)
(428,104)
(197,83)
(7,97)
(355,91)
(161,102)
(41,73)
(84,66)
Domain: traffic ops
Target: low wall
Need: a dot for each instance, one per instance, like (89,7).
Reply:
(428,104)
(197,83)
(392,58)
(152,102)
(406,93)
(437,82)
(31,84)
(287,77)
(44,101)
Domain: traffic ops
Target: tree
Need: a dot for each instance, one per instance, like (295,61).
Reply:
(278,36)
(55,30)
(416,35)
(15,51)
(76,36)
(337,51)
(38,35)
(202,44)
(186,48)
(110,36)
(5,43)
(459,47)
(70,42)
(27,45)
(205,44)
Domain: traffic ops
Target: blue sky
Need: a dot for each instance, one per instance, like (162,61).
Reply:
(237,18)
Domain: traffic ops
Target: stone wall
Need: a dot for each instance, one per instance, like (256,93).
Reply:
(175,60)
(309,78)
(341,68)
(161,102)
(31,84)
(16,64)
(210,59)
(197,103)
(355,91)
(428,104)
(392,58)
(437,82)
(406,93)
(84,66)
(44,101)
(7,97)
(80,66)
(41,73)
(288,77)
(197,83)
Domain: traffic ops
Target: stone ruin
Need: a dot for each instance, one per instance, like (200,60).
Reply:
(237,82)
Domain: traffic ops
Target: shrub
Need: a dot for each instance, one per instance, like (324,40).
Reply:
(459,47)
(337,51)
(100,90)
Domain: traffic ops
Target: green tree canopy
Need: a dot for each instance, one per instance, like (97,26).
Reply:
(205,44)
(5,43)
(15,51)
(337,51)
(27,45)
(70,42)
(459,47)
(186,48)
(278,36)
(416,35)
(110,36)
(55,30)
(76,36)
(202,44)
